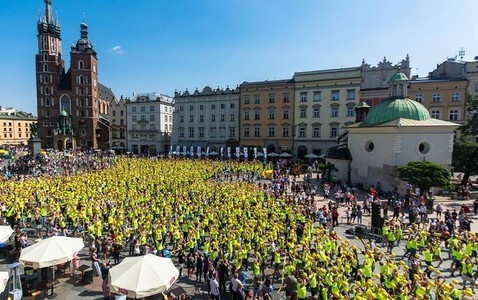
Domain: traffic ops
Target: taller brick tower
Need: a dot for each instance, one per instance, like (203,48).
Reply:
(72,106)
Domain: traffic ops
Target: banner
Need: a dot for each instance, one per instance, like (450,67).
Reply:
(265,153)
(245,152)
(255,152)
(191,151)
(222,151)
(178,150)
(229,152)
(184,150)
(207,151)
(199,151)
(238,152)
(170,151)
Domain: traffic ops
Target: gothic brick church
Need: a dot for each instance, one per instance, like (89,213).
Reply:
(72,106)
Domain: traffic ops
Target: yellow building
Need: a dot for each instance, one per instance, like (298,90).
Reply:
(445,99)
(15,127)
(267,115)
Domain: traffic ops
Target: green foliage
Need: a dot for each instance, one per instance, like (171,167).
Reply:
(465,157)
(471,126)
(425,174)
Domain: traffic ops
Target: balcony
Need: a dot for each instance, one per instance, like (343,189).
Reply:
(142,121)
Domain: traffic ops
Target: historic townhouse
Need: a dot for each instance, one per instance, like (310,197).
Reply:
(325,103)
(267,115)
(207,118)
(15,126)
(118,124)
(149,123)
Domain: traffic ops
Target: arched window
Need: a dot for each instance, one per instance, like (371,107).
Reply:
(45,68)
(47,102)
(81,65)
(81,79)
(65,104)
(45,57)
(46,79)
(47,90)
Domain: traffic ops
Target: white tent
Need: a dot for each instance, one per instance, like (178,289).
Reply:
(311,155)
(5,233)
(285,154)
(143,276)
(272,154)
(51,251)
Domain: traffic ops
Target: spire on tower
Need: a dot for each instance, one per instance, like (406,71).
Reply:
(48,14)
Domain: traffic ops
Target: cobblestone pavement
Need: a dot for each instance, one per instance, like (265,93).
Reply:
(72,288)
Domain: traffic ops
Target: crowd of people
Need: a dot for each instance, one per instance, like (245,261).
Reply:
(220,222)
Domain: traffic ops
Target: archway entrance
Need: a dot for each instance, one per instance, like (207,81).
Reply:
(301,152)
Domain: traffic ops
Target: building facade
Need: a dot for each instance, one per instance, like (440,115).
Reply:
(149,123)
(207,118)
(267,115)
(374,86)
(118,128)
(15,126)
(72,106)
(325,103)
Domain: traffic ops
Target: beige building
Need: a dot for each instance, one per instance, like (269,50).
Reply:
(325,104)
(267,115)
(15,126)
(445,99)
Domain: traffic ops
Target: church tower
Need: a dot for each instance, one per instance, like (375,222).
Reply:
(72,106)
(50,69)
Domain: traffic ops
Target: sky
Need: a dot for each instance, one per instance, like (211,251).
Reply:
(176,45)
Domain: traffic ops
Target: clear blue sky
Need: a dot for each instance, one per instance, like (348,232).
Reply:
(167,45)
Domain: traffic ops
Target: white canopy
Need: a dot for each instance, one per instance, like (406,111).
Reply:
(51,251)
(5,233)
(143,276)
(285,154)
(311,155)
(272,154)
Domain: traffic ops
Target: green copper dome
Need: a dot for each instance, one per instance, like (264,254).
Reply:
(393,109)
(63,113)
(398,77)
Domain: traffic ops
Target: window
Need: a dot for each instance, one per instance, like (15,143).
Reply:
(316,112)
(143,108)
(285,131)
(181,108)
(316,131)
(419,98)
(333,131)
(455,97)
(213,118)
(272,99)
(350,111)
(181,132)
(317,96)
(212,131)
(285,113)
(213,106)
(246,100)
(201,118)
(143,117)
(271,114)
(334,111)
(223,106)
(303,112)
(435,114)
(232,105)
(201,132)
(201,107)
(246,132)
(151,108)
(80,65)
(114,113)
(232,132)
(257,131)
(335,95)
(436,97)
(246,115)
(453,114)
(191,119)
(133,109)
(257,100)
(350,94)
(191,132)
(181,119)
(476,87)
(232,117)
(134,118)
(286,99)
(151,118)
(303,97)
(302,132)
(223,118)
(257,115)
(272,131)
(191,108)
(65,104)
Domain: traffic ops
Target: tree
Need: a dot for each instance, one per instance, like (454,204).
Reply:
(425,174)
(465,158)
(465,151)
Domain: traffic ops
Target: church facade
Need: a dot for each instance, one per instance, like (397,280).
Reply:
(72,106)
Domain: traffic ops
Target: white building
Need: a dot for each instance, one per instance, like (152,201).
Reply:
(393,133)
(209,118)
(117,113)
(149,123)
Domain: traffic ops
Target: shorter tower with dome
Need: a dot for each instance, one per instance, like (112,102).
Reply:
(393,133)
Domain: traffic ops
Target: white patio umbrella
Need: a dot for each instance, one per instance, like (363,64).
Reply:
(311,155)
(260,154)
(143,276)
(213,153)
(285,154)
(5,233)
(272,154)
(50,251)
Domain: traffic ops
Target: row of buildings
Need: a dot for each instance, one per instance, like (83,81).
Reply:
(306,113)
